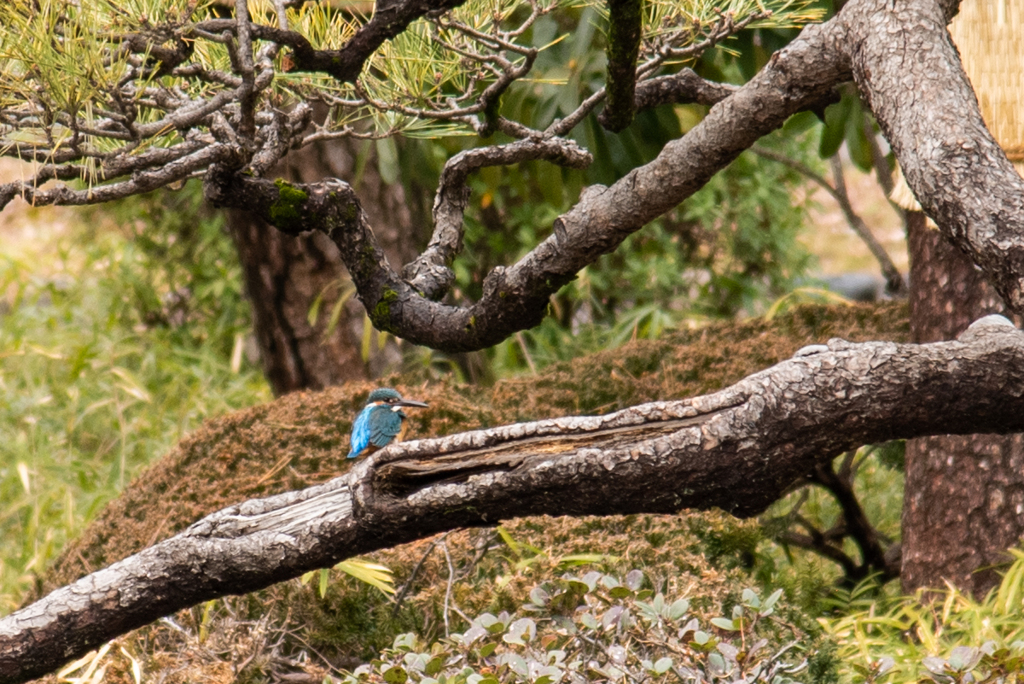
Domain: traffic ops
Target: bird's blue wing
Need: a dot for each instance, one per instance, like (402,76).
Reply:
(385,425)
(360,433)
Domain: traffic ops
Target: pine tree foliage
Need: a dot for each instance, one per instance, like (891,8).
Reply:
(119,98)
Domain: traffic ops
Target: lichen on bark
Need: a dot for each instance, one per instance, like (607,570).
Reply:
(286,212)
(625,29)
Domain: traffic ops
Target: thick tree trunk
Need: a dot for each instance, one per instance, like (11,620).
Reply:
(964,494)
(285,274)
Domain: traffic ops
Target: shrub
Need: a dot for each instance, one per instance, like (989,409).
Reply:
(596,628)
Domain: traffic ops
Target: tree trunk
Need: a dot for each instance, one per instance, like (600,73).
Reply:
(964,494)
(285,274)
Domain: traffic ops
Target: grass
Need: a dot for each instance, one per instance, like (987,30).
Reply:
(101,370)
(950,637)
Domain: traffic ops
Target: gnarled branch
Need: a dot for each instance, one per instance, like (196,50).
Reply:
(516,298)
(738,449)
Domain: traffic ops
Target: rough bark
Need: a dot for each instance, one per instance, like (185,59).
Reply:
(909,72)
(738,449)
(964,495)
(285,274)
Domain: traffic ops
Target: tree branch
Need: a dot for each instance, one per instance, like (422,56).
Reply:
(430,273)
(684,87)
(816,543)
(924,104)
(866,37)
(625,27)
(799,77)
(856,524)
(141,181)
(346,64)
(738,449)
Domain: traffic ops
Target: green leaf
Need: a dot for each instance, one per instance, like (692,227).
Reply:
(346,293)
(620,592)
(585,558)
(857,141)
(591,579)
(768,607)
(717,663)
(433,666)
(724,623)
(800,122)
(517,664)
(374,574)
(521,631)
(396,675)
(834,131)
(314,309)
(678,609)
(387,161)
(512,544)
(325,576)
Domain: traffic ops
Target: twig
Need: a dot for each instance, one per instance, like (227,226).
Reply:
(448,589)
(894,280)
(882,168)
(247,127)
(858,527)
(895,284)
(817,545)
(412,576)
(482,546)
(282,17)
(526,352)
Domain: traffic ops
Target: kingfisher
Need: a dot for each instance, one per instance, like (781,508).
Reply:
(381,421)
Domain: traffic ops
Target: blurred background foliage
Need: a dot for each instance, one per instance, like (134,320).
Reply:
(117,337)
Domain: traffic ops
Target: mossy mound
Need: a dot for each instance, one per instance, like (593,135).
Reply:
(301,439)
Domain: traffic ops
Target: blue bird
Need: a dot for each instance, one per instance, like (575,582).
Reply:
(381,422)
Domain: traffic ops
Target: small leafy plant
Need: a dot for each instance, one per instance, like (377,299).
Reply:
(948,638)
(598,628)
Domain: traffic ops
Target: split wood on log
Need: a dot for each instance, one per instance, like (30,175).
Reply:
(738,449)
